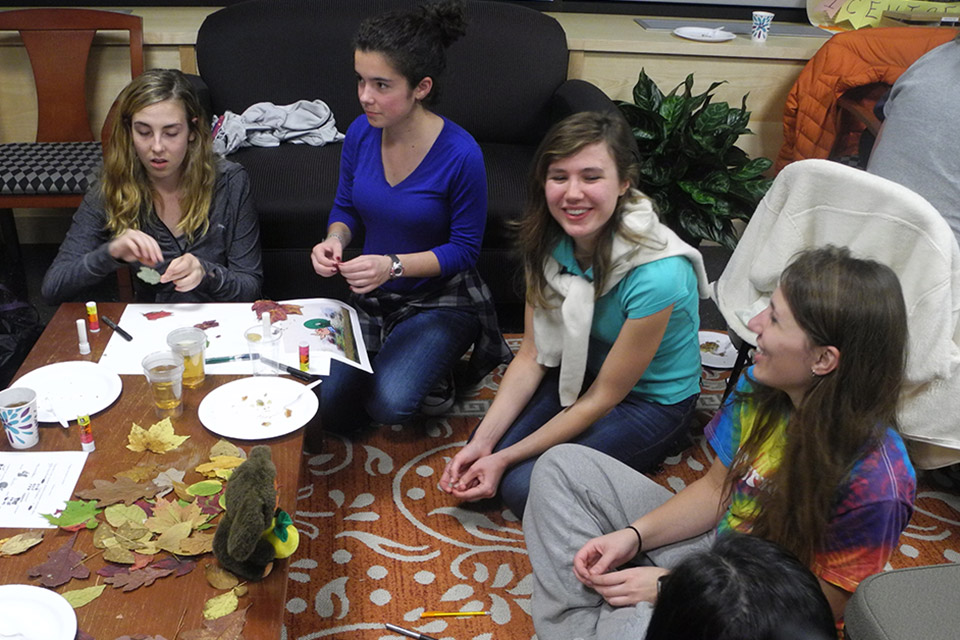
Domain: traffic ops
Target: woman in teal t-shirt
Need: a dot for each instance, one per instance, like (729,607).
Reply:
(610,357)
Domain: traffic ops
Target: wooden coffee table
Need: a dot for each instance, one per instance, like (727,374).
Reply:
(170,605)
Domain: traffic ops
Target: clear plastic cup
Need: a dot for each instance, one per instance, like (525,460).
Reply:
(262,346)
(190,344)
(164,371)
(18,412)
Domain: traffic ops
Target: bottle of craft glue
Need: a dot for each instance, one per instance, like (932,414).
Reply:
(86,434)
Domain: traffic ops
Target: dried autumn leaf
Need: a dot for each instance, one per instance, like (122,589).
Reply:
(136,579)
(182,492)
(20,543)
(277,311)
(228,627)
(226,448)
(166,479)
(156,315)
(75,512)
(139,473)
(119,555)
(197,544)
(61,566)
(219,463)
(205,488)
(207,324)
(209,506)
(170,539)
(159,438)
(180,567)
(220,605)
(79,597)
(117,514)
(123,490)
(220,578)
(167,514)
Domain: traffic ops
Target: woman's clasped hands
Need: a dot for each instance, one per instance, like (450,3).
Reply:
(596,566)
(474,473)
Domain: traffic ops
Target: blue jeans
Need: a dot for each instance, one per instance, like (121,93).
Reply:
(637,432)
(417,354)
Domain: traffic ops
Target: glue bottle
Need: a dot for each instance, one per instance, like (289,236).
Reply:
(92,317)
(86,434)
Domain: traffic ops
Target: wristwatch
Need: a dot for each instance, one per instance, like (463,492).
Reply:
(396,267)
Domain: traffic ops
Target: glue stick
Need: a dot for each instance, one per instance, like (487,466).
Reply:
(82,337)
(304,356)
(86,434)
(92,317)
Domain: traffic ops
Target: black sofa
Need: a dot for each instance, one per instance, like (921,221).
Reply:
(505,83)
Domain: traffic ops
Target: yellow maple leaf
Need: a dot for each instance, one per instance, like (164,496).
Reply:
(159,438)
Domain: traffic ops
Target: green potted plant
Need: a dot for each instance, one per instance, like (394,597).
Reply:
(689,162)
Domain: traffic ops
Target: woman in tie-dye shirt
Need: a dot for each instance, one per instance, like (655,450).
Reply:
(807,455)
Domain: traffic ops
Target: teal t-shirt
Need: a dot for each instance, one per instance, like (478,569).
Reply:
(674,372)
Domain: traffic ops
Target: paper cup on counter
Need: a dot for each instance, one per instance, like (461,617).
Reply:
(761,26)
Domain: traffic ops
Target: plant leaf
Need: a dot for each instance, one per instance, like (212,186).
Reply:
(136,579)
(75,512)
(159,438)
(228,627)
(79,597)
(61,566)
(220,605)
(20,543)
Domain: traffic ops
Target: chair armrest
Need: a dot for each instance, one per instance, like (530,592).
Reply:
(203,94)
(574,96)
(859,102)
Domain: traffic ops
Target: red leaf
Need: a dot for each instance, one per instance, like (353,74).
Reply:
(156,315)
(61,566)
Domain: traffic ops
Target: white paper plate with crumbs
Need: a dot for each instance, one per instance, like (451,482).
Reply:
(75,387)
(716,350)
(704,34)
(28,612)
(253,408)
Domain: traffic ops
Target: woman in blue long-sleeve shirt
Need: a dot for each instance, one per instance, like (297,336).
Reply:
(414,183)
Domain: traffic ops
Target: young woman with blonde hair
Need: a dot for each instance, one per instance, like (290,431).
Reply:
(807,456)
(164,201)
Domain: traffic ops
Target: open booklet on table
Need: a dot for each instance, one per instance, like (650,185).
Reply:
(329,327)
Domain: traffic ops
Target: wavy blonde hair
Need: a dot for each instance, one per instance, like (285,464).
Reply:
(127,193)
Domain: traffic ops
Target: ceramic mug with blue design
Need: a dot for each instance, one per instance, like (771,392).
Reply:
(18,412)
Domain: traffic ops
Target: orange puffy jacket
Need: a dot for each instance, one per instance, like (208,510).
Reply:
(811,120)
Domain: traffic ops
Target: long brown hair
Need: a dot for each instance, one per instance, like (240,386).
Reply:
(538,233)
(127,192)
(856,306)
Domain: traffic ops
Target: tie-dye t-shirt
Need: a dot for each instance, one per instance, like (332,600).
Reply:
(872,508)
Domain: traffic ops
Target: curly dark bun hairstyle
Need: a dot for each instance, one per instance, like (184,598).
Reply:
(415,41)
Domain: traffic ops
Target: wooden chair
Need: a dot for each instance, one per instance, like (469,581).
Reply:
(55,171)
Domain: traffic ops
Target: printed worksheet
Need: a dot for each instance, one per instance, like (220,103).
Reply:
(33,483)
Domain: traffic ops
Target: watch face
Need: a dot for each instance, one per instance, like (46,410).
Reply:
(396,268)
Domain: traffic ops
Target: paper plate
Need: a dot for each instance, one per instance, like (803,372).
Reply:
(35,613)
(252,408)
(703,34)
(716,350)
(77,387)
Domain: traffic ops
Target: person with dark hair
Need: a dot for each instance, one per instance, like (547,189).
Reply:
(807,456)
(414,183)
(164,201)
(743,588)
(610,356)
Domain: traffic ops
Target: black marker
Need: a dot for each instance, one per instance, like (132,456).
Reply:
(408,633)
(113,325)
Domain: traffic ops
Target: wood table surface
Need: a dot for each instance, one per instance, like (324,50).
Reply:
(171,605)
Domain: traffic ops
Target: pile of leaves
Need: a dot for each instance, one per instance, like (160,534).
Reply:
(148,525)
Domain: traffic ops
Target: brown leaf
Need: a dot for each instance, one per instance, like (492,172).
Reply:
(139,474)
(229,627)
(136,579)
(61,566)
(220,578)
(197,544)
(119,555)
(123,490)
(20,543)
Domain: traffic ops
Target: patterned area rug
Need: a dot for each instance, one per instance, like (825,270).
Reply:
(381,543)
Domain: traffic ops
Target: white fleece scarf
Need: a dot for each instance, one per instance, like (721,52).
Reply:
(562,332)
